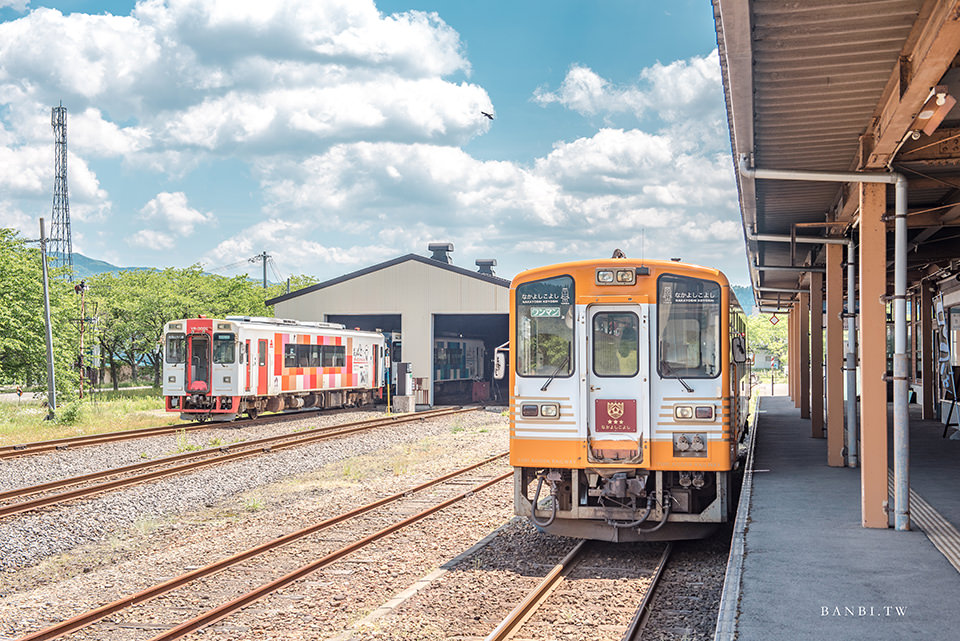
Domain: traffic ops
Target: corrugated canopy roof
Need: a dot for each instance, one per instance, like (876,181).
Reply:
(823,85)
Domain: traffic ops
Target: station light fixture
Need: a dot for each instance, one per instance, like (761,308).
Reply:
(934,110)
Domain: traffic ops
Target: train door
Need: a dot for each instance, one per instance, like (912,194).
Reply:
(618,386)
(249,360)
(262,367)
(198,357)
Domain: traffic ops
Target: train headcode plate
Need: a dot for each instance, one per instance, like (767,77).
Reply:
(616,415)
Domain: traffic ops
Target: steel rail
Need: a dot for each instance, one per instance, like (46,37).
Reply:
(214,615)
(208,452)
(639,621)
(208,457)
(39,447)
(89,618)
(519,615)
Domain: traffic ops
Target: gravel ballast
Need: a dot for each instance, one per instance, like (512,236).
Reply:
(31,536)
(65,560)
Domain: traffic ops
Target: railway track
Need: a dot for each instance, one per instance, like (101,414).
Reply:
(88,619)
(539,595)
(15,503)
(39,447)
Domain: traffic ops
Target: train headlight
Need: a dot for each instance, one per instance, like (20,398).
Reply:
(226,379)
(704,412)
(683,412)
(626,276)
(171,379)
(529,410)
(605,276)
(550,410)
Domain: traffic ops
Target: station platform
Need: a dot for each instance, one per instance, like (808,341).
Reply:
(804,568)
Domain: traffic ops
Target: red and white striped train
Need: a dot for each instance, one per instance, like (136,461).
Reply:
(217,369)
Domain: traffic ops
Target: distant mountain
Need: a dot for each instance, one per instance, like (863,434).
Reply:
(84,267)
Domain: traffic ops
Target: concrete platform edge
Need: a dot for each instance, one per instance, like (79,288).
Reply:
(730,597)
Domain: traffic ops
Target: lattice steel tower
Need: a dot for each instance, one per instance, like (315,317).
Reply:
(60,245)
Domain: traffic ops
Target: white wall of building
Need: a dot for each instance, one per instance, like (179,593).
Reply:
(413,289)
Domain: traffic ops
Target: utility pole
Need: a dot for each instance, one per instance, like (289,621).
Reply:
(264,257)
(51,383)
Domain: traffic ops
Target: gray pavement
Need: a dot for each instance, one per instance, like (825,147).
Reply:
(811,572)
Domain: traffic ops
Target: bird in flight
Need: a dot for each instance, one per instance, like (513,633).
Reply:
(490,116)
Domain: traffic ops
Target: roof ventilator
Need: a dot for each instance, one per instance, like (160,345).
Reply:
(441,252)
(486,265)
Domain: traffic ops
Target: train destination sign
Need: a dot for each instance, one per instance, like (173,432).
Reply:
(544,312)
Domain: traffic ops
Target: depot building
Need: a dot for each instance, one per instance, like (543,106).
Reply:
(447,321)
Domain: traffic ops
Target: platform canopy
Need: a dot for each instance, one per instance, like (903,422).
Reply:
(826,85)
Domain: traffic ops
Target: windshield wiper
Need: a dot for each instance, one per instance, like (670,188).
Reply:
(562,364)
(669,371)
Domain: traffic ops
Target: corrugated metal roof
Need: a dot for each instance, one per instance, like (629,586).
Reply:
(494,280)
(803,80)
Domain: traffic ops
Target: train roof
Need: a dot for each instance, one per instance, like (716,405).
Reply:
(280,323)
(656,267)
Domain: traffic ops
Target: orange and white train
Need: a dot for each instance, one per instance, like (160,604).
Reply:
(629,387)
(217,369)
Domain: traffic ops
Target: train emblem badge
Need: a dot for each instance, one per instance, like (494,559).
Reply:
(615,410)
(616,415)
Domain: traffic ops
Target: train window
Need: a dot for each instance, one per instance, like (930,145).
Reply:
(688,321)
(314,356)
(290,355)
(395,352)
(545,327)
(176,351)
(616,344)
(262,354)
(334,356)
(303,355)
(224,348)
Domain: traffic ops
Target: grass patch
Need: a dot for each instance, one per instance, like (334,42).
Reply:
(97,413)
(146,526)
(253,504)
(184,445)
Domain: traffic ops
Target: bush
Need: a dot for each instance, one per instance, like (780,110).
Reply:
(71,413)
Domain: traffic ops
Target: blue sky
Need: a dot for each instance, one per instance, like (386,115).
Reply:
(338,133)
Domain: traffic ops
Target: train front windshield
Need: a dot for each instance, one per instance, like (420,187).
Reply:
(545,327)
(688,327)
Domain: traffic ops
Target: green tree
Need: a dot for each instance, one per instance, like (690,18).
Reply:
(23,356)
(134,306)
(764,335)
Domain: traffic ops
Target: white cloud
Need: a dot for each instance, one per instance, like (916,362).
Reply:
(230,76)
(303,117)
(298,249)
(25,171)
(684,90)
(13,218)
(16,5)
(151,239)
(89,133)
(583,199)
(172,210)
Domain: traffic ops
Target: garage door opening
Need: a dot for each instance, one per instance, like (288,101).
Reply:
(463,351)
